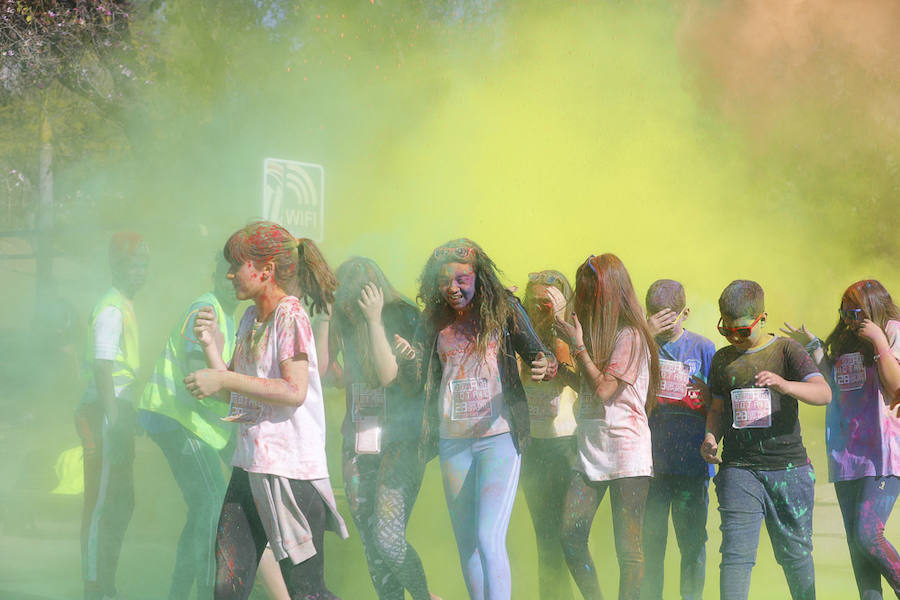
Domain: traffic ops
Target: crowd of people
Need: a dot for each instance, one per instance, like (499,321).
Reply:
(580,391)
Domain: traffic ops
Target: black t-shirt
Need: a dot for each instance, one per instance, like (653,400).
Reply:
(761,426)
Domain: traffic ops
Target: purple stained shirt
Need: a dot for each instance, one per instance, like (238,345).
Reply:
(862,435)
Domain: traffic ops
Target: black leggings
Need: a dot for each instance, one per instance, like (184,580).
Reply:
(381,490)
(241,539)
(628,497)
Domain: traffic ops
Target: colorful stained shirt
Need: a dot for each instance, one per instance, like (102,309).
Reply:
(472,403)
(279,440)
(761,427)
(862,435)
(614,436)
(678,424)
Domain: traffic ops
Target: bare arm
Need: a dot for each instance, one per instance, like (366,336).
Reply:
(814,391)
(371,302)
(288,390)
(321,326)
(886,363)
(603,384)
(709,450)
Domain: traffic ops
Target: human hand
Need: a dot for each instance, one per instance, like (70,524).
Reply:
(539,367)
(771,380)
(403,349)
(206,326)
(572,332)
(872,333)
(371,301)
(204,383)
(557,302)
(709,450)
(662,322)
(803,336)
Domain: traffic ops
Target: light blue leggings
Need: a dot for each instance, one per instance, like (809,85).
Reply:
(480,478)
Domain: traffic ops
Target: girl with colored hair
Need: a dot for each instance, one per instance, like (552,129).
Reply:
(381,466)
(860,357)
(476,414)
(547,461)
(279,492)
(617,358)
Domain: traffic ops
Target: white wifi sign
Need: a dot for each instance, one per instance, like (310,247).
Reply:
(294,196)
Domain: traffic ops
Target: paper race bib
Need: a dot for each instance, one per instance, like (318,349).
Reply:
(543,401)
(367,402)
(470,399)
(673,379)
(752,408)
(243,410)
(590,408)
(850,372)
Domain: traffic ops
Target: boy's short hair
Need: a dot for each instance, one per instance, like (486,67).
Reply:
(665,293)
(742,298)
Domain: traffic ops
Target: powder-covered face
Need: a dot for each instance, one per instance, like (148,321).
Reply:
(246,279)
(131,274)
(756,334)
(456,284)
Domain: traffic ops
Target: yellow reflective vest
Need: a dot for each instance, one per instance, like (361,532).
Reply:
(128,360)
(165,392)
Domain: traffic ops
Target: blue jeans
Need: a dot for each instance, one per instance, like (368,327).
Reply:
(688,498)
(480,479)
(866,504)
(784,499)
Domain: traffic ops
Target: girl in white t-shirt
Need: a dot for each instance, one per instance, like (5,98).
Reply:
(279,492)
(619,374)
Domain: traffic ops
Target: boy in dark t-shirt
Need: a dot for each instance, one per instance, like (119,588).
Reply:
(765,473)
(680,475)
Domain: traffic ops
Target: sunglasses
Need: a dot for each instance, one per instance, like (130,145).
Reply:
(460,252)
(738,332)
(852,315)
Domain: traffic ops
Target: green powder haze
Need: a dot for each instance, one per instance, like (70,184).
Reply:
(700,141)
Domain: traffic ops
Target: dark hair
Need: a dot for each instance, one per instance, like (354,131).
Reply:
(124,246)
(876,304)
(347,324)
(665,293)
(605,303)
(546,328)
(742,298)
(491,303)
(300,268)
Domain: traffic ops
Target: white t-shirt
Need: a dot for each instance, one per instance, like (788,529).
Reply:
(279,440)
(471,392)
(108,344)
(614,436)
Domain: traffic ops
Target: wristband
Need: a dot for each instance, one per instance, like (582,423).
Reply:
(813,345)
(579,349)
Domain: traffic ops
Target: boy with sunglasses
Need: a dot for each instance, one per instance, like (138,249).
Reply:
(765,473)
(680,476)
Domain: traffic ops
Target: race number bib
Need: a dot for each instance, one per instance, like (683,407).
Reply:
(243,410)
(470,399)
(543,401)
(850,372)
(752,408)
(367,402)
(590,408)
(673,380)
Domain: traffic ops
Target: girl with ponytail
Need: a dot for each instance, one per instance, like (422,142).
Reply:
(280,492)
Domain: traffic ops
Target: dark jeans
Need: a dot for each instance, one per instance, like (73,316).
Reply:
(784,499)
(241,540)
(381,490)
(866,504)
(108,494)
(546,471)
(628,497)
(197,469)
(688,498)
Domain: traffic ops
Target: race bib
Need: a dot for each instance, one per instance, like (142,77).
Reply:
(470,399)
(543,401)
(752,408)
(673,380)
(367,402)
(243,410)
(850,372)
(590,408)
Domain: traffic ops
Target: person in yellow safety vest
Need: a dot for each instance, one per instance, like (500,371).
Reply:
(192,436)
(105,417)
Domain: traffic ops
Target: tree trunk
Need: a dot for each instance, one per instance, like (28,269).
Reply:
(44,222)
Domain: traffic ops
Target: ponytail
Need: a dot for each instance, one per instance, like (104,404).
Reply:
(315,278)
